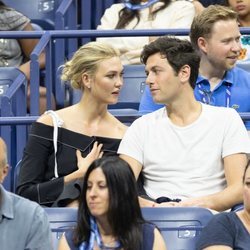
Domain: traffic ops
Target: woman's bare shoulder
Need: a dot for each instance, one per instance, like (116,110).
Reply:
(46,118)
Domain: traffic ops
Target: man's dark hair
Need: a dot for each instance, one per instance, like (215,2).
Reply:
(177,52)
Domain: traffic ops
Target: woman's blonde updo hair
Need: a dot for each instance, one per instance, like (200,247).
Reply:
(86,60)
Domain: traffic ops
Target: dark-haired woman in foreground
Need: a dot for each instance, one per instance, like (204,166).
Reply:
(109,216)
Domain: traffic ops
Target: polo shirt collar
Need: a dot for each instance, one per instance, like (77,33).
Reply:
(227,79)
(6,208)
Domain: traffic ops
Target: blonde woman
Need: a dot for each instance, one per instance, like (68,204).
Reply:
(53,163)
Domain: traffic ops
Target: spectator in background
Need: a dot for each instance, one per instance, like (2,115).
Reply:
(23,223)
(242,7)
(137,14)
(52,164)
(220,83)
(109,215)
(187,150)
(16,52)
(228,231)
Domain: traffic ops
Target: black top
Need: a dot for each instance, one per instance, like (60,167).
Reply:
(147,237)
(225,229)
(36,179)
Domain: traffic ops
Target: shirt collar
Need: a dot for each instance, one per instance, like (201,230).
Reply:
(6,205)
(227,79)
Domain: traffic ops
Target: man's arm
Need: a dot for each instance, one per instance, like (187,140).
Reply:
(234,167)
(137,168)
(135,165)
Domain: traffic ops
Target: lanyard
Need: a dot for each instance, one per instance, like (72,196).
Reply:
(205,95)
(139,6)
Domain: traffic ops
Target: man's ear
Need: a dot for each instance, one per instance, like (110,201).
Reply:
(5,171)
(202,44)
(184,73)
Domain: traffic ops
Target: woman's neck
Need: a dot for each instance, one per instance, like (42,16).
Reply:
(244,21)
(105,231)
(93,111)
(245,218)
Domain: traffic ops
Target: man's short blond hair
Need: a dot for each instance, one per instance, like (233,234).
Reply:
(203,23)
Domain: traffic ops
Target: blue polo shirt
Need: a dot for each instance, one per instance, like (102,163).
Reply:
(238,81)
(23,224)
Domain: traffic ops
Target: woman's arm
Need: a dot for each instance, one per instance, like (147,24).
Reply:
(217,247)
(27,46)
(34,181)
(159,243)
(63,244)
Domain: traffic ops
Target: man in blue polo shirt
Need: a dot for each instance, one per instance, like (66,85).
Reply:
(216,35)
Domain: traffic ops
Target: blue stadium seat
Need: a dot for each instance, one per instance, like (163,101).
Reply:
(61,220)
(13,86)
(244,65)
(180,226)
(15,175)
(42,12)
(132,89)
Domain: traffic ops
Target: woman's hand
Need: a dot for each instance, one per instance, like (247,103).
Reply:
(84,162)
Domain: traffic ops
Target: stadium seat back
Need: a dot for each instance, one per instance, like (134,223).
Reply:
(7,77)
(180,226)
(244,65)
(132,89)
(16,172)
(40,12)
(61,220)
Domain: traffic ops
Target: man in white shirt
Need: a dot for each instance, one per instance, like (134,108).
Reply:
(186,150)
